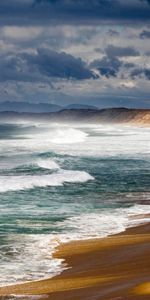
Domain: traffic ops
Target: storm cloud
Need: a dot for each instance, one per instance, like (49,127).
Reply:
(141,72)
(45,62)
(83,49)
(107,66)
(31,12)
(112,50)
(145,34)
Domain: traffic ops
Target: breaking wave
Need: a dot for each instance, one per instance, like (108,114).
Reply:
(68,136)
(47,164)
(14,183)
(40,248)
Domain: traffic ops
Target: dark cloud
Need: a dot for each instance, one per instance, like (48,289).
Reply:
(23,63)
(147,73)
(145,34)
(147,53)
(113,33)
(113,51)
(45,1)
(42,66)
(136,73)
(129,65)
(70,11)
(148,1)
(97,9)
(78,3)
(108,67)
(61,65)
(139,72)
(111,65)
(99,50)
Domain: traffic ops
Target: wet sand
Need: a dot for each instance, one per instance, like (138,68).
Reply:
(114,268)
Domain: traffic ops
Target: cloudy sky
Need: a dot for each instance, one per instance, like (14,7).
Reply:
(75,51)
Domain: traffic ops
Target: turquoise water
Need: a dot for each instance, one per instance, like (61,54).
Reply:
(66,182)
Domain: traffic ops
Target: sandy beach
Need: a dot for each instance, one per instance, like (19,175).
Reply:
(117,267)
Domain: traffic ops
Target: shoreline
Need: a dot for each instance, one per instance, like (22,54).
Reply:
(106,268)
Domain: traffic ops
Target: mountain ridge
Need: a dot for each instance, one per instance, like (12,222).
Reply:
(28,107)
(44,107)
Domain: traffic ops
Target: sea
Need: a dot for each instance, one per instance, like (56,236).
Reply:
(65,182)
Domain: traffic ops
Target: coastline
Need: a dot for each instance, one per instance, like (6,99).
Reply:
(116,267)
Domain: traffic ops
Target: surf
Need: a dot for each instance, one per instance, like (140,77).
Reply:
(15,183)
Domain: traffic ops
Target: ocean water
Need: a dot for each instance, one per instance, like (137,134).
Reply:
(66,182)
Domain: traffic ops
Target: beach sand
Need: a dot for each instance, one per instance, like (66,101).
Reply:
(114,268)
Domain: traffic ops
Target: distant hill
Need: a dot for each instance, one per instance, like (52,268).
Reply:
(112,115)
(29,107)
(80,106)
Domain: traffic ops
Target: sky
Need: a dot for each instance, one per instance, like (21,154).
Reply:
(93,52)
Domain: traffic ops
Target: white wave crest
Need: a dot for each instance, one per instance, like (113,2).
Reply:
(68,136)
(8,183)
(47,164)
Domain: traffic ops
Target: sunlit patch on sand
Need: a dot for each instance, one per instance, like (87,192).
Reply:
(143,289)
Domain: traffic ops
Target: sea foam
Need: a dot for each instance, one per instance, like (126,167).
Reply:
(68,136)
(40,248)
(18,250)
(47,164)
(105,222)
(14,183)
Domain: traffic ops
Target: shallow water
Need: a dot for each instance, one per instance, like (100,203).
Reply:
(60,183)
